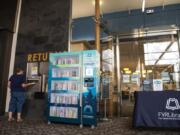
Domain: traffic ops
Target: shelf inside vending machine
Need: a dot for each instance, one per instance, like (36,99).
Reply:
(66,73)
(66,60)
(65,114)
(71,86)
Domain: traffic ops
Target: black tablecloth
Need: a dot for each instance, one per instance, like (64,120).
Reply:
(157,109)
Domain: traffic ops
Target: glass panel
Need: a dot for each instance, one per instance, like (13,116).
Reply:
(143,63)
(163,58)
(174,47)
(171,55)
(155,47)
(152,56)
(166,62)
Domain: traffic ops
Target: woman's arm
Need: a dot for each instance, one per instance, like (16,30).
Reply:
(25,85)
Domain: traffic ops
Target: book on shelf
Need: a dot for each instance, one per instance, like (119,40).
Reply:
(67,60)
(64,112)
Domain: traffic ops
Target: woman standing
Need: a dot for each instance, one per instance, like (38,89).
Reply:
(17,84)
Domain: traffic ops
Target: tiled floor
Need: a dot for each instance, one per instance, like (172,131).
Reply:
(118,126)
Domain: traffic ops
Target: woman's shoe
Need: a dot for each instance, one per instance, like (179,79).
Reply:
(11,119)
(19,120)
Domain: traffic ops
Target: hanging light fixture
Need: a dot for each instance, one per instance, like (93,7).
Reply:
(143,5)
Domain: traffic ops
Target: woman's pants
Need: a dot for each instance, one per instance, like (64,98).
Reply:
(16,102)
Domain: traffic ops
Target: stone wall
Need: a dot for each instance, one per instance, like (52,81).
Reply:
(7,14)
(44,26)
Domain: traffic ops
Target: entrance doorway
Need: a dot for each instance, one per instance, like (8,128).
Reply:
(145,60)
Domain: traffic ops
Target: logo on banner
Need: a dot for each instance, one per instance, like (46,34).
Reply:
(172,104)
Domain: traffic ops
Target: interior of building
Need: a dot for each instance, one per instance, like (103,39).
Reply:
(148,47)
(139,42)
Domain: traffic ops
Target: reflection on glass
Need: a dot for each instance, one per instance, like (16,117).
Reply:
(163,58)
(166,62)
(151,66)
(155,47)
(161,53)
(152,56)
(171,55)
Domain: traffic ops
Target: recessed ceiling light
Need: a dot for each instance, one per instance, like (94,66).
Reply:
(149,71)
(125,69)
(128,72)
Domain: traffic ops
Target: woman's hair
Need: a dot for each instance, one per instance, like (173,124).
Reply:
(17,70)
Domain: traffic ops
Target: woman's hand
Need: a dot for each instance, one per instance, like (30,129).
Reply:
(24,85)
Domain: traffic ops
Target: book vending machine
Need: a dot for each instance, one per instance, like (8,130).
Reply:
(73,87)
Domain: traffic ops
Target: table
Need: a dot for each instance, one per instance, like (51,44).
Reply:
(157,109)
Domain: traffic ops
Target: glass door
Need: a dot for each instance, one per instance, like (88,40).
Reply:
(148,64)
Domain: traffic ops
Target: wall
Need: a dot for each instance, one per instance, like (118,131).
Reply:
(5,47)
(7,14)
(7,18)
(79,46)
(121,22)
(44,26)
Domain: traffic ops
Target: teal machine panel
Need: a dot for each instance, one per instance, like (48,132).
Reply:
(90,94)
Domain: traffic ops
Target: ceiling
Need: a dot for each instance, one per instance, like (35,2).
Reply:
(83,8)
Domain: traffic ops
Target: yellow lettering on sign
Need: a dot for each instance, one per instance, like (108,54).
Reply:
(30,58)
(39,56)
(45,57)
(34,57)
